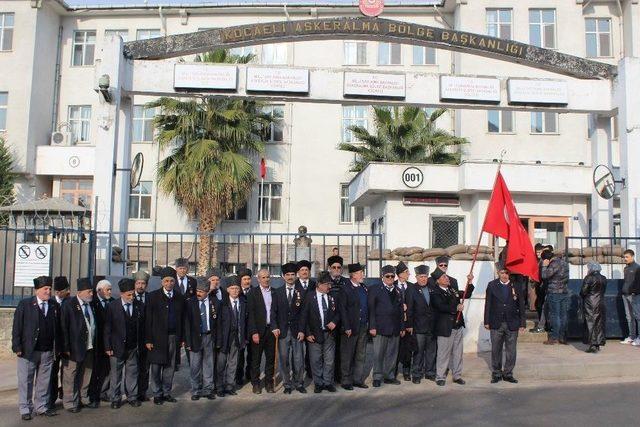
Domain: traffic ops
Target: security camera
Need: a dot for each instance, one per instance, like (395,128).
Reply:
(103,87)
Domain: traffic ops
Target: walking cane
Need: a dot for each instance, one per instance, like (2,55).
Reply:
(275,364)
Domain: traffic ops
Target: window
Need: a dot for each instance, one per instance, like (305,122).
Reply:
(355,53)
(147,34)
(346,210)
(242,51)
(6,31)
(84,45)
(274,53)
(499,23)
(77,191)
(423,55)
(389,54)
(542,28)
(544,122)
(124,34)
(447,231)
(274,132)
(352,115)
(140,200)
(240,214)
(270,201)
(598,35)
(143,123)
(4,99)
(499,121)
(80,123)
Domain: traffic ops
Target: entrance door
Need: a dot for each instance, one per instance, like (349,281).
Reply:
(547,230)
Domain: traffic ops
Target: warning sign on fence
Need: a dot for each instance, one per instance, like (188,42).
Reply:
(32,260)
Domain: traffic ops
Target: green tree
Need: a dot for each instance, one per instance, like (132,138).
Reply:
(403,135)
(210,141)
(7,179)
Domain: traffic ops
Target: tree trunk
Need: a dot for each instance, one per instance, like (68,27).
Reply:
(205,247)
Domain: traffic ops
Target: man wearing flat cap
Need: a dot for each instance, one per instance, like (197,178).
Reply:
(62,292)
(185,284)
(123,337)
(35,340)
(285,312)
(243,373)
(201,317)
(404,350)
(79,331)
(164,313)
(141,280)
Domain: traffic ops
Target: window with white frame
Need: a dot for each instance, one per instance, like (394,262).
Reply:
(80,123)
(4,101)
(270,201)
(274,131)
(346,211)
(84,46)
(148,34)
(143,123)
(240,214)
(598,37)
(124,34)
(355,53)
(140,200)
(499,121)
(447,231)
(544,122)
(389,54)
(353,115)
(242,51)
(6,31)
(77,191)
(423,55)
(542,28)
(274,53)
(499,23)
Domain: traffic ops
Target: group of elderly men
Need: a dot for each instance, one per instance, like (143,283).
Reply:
(103,348)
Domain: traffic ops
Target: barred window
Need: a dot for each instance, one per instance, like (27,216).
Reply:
(447,231)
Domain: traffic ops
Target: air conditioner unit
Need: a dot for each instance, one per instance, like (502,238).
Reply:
(60,139)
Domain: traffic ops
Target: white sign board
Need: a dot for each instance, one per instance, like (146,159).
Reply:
(32,260)
(540,233)
(290,80)
(374,85)
(205,76)
(474,89)
(523,91)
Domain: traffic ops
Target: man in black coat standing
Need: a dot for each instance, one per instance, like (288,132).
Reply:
(99,389)
(243,369)
(185,285)
(164,315)
(305,283)
(62,292)
(504,315)
(404,351)
(35,340)
(141,279)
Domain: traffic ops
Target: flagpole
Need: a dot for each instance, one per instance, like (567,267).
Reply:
(260,203)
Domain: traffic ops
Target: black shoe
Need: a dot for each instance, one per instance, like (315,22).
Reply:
(26,417)
(287,390)
(460,381)
(48,413)
(135,403)
(195,397)
(361,385)
(231,393)
(93,405)
(330,388)
(257,389)
(143,399)
(406,377)
(74,410)
(495,379)
(347,387)
(416,380)
(211,396)
(270,389)
(221,393)
(116,405)
(301,389)
(376,383)
(510,379)
(169,398)
(392,381)
(591,349)
(317,389)
(430,377)
(158,400)
(441,383)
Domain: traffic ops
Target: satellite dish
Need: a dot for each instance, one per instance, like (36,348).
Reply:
(136,169)
(604,182)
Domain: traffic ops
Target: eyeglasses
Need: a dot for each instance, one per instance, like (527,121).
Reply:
(336,267)
(389,276)
(443,265)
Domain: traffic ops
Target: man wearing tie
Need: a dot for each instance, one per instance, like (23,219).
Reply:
(185,285)
(245,276)
(420,324)
(62,291)
(141,279)
(79,331)
(263,341)
(243,370)
(35,340)
(99,389)
(123,336)
(231,337)
(404,350)
(304,283)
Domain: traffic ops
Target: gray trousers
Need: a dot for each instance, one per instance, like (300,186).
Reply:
(227,366)
(503,338)
(76,380)
(424,360)
(449,355)
(202,368)
(38,368)
(129,363)
(632,323)
(162,375)
(353,351)
(385,355)
(321,358)
(291,361)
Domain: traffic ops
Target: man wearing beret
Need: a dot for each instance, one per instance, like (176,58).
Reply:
(79,331)
(185,285)
(61,291)
(123,336)
(141,279)
(35,340)
(202,311)
(404,350)
(164,313)
(285,312)
(243,370)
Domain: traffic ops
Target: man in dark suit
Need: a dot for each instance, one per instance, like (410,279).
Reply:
(285,311)
(62,291)
(404,350)
(386,326)
(243,370)
(504,315)
(141,279)
(420,323)
(354,325)
(263,341)
(319,320)
(123,336)
(231,337)
(164,314)
(35,340)
(305,283)
(99,388)
(334,266)
(185,285)
(79,331)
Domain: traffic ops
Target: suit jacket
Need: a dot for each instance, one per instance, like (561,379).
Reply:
(403,291)
(225,325)
(349,307)
(420,315)
(192,321)
(257,312)
(100,312)
(445,304)
(497,309)
(26,326)
(311,285)
(385,311)
(191,287)
(115,327)
(284,316)
(74,330)
(144,298)
(157,324)
(310,321)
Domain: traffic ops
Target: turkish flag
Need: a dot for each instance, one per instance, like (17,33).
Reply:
(263,169)
(502,220)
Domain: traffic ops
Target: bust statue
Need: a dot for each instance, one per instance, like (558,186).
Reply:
(302,240)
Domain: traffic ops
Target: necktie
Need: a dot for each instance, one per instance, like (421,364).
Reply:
(103,302)
(304,285)
(182,286)
(236,313)
(203,317)
(44,310)
(169,295)
(128,305)
(324,311)
(289,295)
(425,294)
(85,307)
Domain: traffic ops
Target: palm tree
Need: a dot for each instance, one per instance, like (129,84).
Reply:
(210,142)
(403,135)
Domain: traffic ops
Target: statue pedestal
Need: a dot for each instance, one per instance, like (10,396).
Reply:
(299,253)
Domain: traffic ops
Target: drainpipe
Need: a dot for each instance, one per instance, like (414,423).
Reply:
(56,84)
